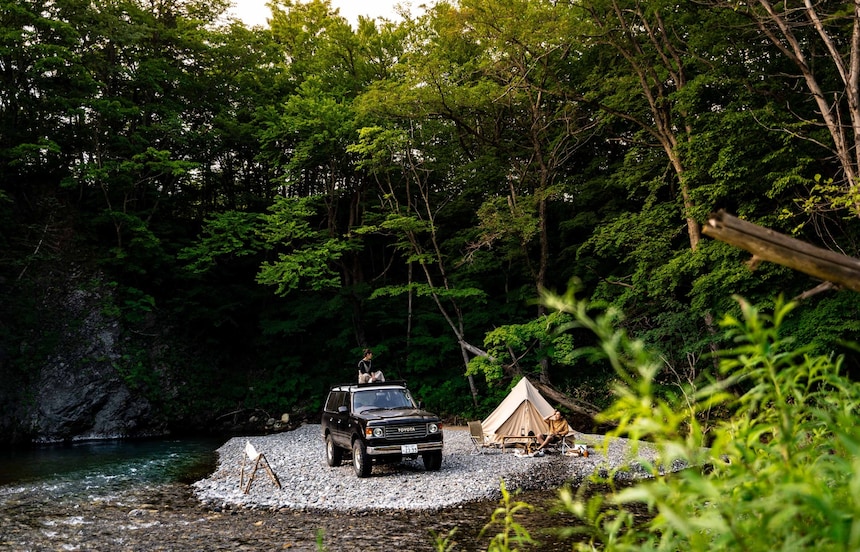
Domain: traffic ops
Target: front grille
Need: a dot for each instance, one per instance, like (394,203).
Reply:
(406,432)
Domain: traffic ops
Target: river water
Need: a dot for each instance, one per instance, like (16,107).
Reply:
(135,495)
(102,466)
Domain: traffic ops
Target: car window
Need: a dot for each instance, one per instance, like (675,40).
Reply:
(331,403)
(400,398)
(336,399)
(342,399)
(362,400)
(382,398)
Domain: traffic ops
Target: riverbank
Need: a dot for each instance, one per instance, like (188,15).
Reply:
(123,503)
(309,484)
(168,518)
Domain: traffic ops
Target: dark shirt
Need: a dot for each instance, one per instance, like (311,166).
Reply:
(364,366)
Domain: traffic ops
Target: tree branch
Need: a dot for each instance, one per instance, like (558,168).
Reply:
(767,245)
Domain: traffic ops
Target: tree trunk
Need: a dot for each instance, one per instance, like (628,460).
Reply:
(777,25)
(588,411)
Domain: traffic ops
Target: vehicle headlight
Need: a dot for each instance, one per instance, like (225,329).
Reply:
(434,428)
(378,432)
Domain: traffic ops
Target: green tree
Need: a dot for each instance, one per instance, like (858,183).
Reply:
(819,41)
(668,83)
(465,140)
(307,135)
(410,215)
(526,55)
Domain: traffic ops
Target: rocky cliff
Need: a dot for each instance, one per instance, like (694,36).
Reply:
(79,383)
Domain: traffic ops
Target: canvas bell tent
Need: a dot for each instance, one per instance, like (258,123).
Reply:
(522,411)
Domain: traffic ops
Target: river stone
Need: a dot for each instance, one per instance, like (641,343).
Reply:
(307,482)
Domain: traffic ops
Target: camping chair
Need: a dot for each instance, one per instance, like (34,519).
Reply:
(479,440)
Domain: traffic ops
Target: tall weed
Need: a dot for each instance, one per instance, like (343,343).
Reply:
(511,534)
(777,472)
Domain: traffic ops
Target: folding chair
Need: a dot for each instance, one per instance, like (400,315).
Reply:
(479,440)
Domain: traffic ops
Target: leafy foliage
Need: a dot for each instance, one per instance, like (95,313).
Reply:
(279,198)
(785,451)
(525,345)
(308,255)
(226,235)
(511,534)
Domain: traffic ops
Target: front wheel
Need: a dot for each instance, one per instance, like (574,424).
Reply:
(432,460)
(333,453)
(361,463)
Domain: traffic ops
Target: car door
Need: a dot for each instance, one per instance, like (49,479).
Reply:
(344,419)
(338,417)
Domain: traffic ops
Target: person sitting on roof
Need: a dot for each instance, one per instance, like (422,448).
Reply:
(558,428)
(366,373)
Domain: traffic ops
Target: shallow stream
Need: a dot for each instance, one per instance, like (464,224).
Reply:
(134,495)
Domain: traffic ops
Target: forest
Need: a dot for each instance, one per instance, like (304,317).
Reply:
(277,198)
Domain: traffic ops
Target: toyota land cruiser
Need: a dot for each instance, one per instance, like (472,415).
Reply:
(379,422)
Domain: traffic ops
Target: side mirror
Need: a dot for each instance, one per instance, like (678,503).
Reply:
(342,409)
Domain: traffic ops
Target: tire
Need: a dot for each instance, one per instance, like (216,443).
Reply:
(361,463)
(333,453)
(432,460)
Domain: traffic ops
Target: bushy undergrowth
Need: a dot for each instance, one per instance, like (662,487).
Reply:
(777,471)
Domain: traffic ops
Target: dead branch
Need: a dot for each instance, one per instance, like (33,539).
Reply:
(767,245)
(820,288)
(578,406)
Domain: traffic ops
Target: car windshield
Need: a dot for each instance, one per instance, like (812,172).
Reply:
(382,398)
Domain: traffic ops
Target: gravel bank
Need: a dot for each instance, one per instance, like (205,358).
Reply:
(308,483)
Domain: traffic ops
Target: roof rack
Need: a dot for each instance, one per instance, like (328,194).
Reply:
(372,384)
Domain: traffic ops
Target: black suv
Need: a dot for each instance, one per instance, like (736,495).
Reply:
(379,422)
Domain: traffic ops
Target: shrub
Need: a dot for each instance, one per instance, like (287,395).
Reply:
(779,469)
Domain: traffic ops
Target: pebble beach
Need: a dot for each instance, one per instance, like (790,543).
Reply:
(297,458)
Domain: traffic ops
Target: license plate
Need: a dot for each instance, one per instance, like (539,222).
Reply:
(408,449)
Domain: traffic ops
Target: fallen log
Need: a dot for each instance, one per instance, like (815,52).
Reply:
(767,245)
(586,410)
